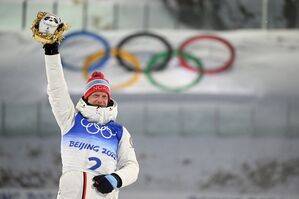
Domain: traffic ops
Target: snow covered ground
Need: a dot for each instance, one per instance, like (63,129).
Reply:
(172,164)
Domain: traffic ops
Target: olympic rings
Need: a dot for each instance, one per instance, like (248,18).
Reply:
(222,41)
(99,39)
(104,130)
(144,34)
(167,88)
(125,55)
(158,61)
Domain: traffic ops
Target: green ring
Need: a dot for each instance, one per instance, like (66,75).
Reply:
(160,56)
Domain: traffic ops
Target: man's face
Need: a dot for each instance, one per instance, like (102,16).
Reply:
(98,99)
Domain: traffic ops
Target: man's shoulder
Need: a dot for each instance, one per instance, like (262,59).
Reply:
(117,128)
(115,125)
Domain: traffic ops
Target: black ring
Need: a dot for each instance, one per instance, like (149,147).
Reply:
(128,66)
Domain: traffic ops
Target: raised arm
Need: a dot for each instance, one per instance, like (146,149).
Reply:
(59,97)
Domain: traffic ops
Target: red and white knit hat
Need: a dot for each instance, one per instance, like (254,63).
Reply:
(97,83)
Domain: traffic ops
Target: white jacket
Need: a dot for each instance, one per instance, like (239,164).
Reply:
(64,111)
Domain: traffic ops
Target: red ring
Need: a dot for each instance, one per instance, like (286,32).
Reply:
(225,66)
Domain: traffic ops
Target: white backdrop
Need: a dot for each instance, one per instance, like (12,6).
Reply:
(266,64)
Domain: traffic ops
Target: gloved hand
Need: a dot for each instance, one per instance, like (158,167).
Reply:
(107,183)
(51,49)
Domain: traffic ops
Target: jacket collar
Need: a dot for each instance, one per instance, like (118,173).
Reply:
(96,114)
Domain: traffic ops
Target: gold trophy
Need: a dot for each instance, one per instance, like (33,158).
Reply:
(47,28)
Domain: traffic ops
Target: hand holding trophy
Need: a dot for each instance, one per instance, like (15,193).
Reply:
(47,28)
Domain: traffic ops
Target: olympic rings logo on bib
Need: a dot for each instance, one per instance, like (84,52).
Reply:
(93,128)
(200,54)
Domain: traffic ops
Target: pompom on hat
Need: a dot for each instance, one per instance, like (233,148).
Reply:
(96,83)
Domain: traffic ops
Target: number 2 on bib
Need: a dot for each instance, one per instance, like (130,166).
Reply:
(97,163)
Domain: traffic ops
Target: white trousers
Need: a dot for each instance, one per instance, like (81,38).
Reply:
(78,185)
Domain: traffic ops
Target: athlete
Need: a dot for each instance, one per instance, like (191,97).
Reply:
(97,153)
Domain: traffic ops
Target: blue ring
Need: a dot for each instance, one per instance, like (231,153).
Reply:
(99,39)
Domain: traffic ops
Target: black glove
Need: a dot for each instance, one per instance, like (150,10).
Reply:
(51,49)
(107,183)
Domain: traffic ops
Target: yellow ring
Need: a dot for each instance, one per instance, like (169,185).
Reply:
(125,55)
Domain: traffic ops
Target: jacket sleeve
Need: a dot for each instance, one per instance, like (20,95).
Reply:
(128,167)
(59,98)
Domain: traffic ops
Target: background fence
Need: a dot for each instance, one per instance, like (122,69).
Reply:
(157,14)
(172,114)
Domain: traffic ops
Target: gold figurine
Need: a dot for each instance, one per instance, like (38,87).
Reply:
(47,28)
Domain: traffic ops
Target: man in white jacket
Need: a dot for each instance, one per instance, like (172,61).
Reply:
(97,153)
